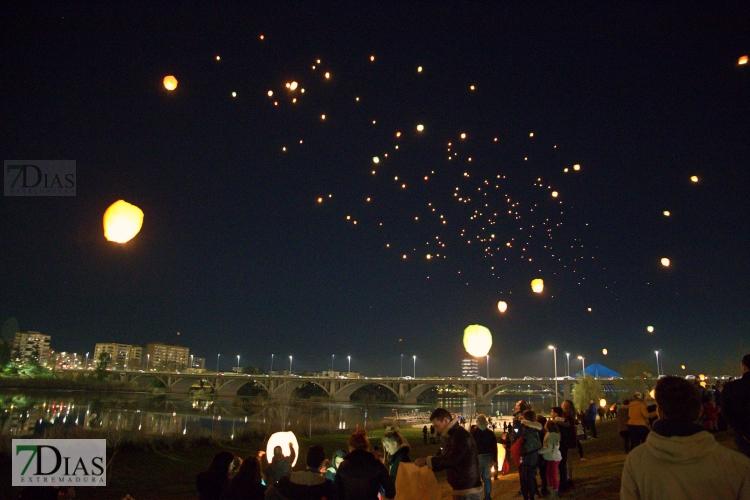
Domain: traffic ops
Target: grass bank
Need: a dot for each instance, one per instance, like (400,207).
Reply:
(164,468)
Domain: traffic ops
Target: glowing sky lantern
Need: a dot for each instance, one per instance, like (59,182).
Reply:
(665,262)
(650,329)
(537,285)
(742,60)
(694,178)
(477,340)
(270,93)
(682,366)
(375,159)
(666,213)
(283,439)
(420,128)
(576,167)
(293,86)
(419,69)
(554,194)
(122,221)
(652,393)
(502,306)
(604,351)
(170,82)
(603,403)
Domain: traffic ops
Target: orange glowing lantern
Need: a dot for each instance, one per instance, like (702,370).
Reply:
(537,285)
(603,403)
(170,82)
(122,221)
(742,60)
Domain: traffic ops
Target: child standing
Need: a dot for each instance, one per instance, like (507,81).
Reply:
(551,453)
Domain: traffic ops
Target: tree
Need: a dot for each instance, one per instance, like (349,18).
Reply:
(9,329)
(637,368)
(100,372)
(4,353)
(586,388)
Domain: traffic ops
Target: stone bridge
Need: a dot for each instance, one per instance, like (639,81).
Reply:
(407,390)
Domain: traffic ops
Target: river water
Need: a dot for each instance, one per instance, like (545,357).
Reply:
(24,412)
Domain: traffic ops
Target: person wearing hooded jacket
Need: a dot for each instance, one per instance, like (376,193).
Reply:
(361,476)
(681,460)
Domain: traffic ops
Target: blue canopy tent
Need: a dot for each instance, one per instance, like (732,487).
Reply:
(598,371)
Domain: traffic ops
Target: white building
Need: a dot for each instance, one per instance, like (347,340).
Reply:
(470,368)
(31,345)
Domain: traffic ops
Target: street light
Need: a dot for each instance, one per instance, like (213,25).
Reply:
(350,363)
(271,361)
(488,366)
(567,355)
(86,366)
(415,366)
(238,363)
(290,365)
(191,361)
(218,356)
(402,366)
(658,371)
(333,357)
(583,363)
(557,393)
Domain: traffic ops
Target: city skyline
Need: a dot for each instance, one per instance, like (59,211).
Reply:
(369,180)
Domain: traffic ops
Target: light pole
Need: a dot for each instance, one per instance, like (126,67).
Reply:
(567,355)
(290,365)
(333,357)
(402,366)
(557,393)
(583,363)
(415,366)
(488,366)
(238,363)
(350,363)
(658,370)
(271,361)
(191,361)
(148,359)
(218,357)
(86,366)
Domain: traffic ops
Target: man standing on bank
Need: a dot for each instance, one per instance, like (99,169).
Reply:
(458,457)
(735,404)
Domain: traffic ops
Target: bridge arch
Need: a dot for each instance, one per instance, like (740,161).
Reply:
(146,378)
(344,393)
(183,385)
(416,391)
(231,387)
(286,388)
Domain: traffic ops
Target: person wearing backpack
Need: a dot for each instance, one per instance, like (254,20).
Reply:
(530,434)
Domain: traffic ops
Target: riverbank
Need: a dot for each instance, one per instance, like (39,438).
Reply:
(168,473)
(53,383)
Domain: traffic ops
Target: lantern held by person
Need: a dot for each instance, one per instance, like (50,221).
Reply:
(477,340)
(537,285)
(282,439)
(122,221)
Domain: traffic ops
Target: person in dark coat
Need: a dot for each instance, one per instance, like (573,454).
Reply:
(212,482)
(280,465)
(397,449)
(247,483)
(459,457)
(735,404)
(487,451)
(309,484)
(424,434)
(361,476)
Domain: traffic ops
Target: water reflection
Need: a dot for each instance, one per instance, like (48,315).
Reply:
(24,414)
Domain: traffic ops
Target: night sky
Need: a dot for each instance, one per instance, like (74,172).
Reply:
(238,254)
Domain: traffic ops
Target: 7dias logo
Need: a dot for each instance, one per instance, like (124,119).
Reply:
(48,462)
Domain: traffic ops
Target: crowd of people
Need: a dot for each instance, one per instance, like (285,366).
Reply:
(667,436)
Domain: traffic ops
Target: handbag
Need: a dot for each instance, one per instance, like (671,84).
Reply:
(516,451)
